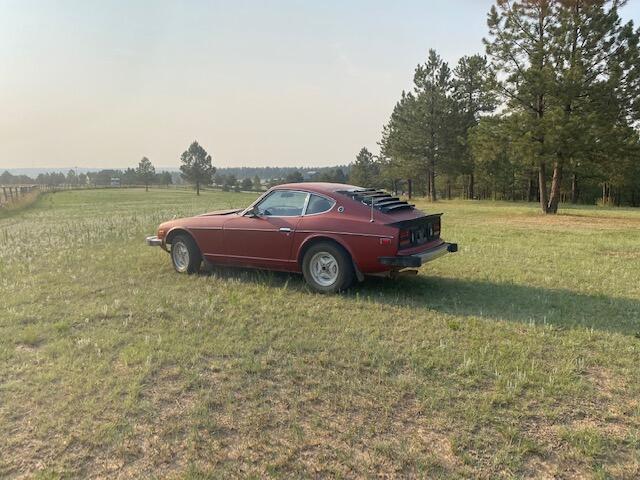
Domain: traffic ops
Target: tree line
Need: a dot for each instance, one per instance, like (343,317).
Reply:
(550,113)
(128,177)
(196,169)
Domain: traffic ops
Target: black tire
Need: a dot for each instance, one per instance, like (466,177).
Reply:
(185,254)
(343,276)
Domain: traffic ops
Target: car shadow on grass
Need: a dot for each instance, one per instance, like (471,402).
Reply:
(508,301)
(478,298)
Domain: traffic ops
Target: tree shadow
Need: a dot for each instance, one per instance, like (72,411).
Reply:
(478,298)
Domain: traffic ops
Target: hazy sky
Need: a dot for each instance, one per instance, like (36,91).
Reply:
(102,83)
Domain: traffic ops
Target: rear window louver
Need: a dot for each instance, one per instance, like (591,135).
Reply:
(381,200)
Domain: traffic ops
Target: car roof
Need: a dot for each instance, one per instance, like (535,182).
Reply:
(319,187)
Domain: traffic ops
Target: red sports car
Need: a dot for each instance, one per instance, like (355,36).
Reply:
(332,233)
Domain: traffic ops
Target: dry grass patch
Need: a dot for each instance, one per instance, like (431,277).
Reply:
(566,221)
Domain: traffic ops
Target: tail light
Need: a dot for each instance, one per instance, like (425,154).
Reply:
(436,227)
(404,238)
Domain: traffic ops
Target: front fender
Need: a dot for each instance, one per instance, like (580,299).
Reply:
(176,230)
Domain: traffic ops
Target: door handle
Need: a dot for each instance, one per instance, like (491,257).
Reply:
(285,229)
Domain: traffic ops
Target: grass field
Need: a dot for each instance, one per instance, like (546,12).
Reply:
(517,357)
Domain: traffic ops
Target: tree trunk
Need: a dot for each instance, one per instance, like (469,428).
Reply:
(542,186)
(146,187)
(574,189)
(197,188)
(432,186)
(409,189)
(471,193)
(554,198)
(448,189)
(531,188)
(428,185)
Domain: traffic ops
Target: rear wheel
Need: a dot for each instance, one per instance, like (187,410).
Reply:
(185,254)
(327,268)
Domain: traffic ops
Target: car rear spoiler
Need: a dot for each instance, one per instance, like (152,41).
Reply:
(379,199)
(403,224)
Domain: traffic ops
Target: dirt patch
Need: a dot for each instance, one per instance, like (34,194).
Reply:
(537,468)
(27,348)
(606,383)
(390,444)
(623,254)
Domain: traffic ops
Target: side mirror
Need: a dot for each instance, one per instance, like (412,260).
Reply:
(253,213)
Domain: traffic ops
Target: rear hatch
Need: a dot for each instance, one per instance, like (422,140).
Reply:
(419,231)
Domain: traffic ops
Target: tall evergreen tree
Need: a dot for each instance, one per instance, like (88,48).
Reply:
(365,170)
(474,95)
(520,48)
(566,67)
(196,166)
(433,88)
(146,172)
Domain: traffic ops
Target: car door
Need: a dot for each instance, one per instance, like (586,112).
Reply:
(264,238)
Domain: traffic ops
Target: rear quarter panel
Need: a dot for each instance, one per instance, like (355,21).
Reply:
(360,237)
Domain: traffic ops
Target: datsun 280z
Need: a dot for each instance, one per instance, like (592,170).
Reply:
(331,233)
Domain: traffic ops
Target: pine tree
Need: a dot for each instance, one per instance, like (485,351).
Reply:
(474,96)
(520,48)
(401,144)
(196,166)
(145,172)
(365,170)
(566,66)
(433,87)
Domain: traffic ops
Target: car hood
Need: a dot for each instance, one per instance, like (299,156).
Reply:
(204,219)
(220,212)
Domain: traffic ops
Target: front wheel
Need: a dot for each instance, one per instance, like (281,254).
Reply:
(185,254)
(327,268)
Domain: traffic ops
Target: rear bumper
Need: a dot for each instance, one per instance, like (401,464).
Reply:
(421,258)
(154,241)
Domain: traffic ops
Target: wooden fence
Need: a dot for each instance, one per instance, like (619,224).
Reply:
(13,193)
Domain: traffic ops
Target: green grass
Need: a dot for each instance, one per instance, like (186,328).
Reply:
(516,357)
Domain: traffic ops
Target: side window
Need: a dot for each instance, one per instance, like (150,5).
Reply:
(283,203)
(318,204)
